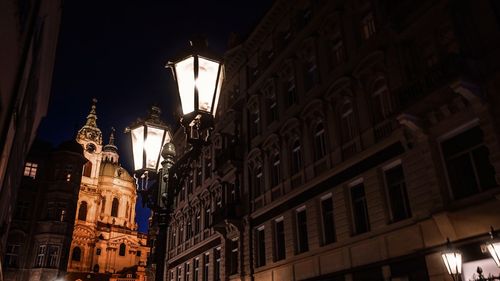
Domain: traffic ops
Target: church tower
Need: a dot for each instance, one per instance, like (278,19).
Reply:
(105,236)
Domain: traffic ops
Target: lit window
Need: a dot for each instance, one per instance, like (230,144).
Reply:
(30,169)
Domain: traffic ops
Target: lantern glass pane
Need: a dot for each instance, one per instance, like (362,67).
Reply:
(453,262)
(217,92)
(494,249)
(206,82)
(168,137)
(152,146)
(184,71)
(138,146)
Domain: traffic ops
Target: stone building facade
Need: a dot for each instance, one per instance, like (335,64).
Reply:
(352,139)
(105,236)
(42,226)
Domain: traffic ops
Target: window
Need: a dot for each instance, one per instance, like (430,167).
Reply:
(12,256)
(279,238)
(40,256)
(179,273)
(261,247)
(234,257)
(103,204)
(208,167)
(217,264)
(96,268)
(327,221)
(189,229)
(467,163)
(296,157)
(82,211)
(207,218)
(197,223)
(121,252)
(30,169)
(347,122)
(381,101)
(53,256)
(258,181)
(187,272)
(311,74)
(368,26)
(302,239)
(138,253)
(359,209)
(190,182)
(338,52)
(206,262)
(291,92)
(276,169)
(183,189)
(114,208)
(22,210)
(98,252)
(396,191)
(254,123)
(319,142)
(196,265)
(77,254)
(273,109)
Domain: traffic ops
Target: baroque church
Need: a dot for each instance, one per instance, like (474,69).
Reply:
(105,236)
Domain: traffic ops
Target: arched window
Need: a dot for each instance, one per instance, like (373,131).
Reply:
(87,169)
(319,142)
(82,211)
(96,268)
(122,249)
(77,254)
(381,100)
(275,169)
(296,157)
(114,208)
(257,181)
(347,121)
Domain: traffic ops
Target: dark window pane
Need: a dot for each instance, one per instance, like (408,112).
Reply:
(328,222)
(359,208)
(398,197)
(302,239)
(261,248)
(280,241)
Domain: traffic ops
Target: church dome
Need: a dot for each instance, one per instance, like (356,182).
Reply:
(109,169)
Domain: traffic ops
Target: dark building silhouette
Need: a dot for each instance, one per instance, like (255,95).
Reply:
(40,235)
(352,139)
(28,32)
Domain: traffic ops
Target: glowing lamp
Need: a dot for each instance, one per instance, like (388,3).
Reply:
(148,138)
(199,75)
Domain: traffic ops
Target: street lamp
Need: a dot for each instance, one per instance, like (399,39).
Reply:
(199,75)
(452,259)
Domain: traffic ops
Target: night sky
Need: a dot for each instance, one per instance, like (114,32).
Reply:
(116,51)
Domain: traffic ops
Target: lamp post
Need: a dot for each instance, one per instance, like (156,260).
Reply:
(452,259)
(198,73)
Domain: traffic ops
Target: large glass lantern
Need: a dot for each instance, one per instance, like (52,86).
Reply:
(494,248)
(452,259)
(199,75)
(148,137)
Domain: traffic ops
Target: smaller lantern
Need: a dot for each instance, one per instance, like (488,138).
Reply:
(148,137)
(452,259)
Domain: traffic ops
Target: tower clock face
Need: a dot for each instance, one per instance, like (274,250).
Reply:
(90,148)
